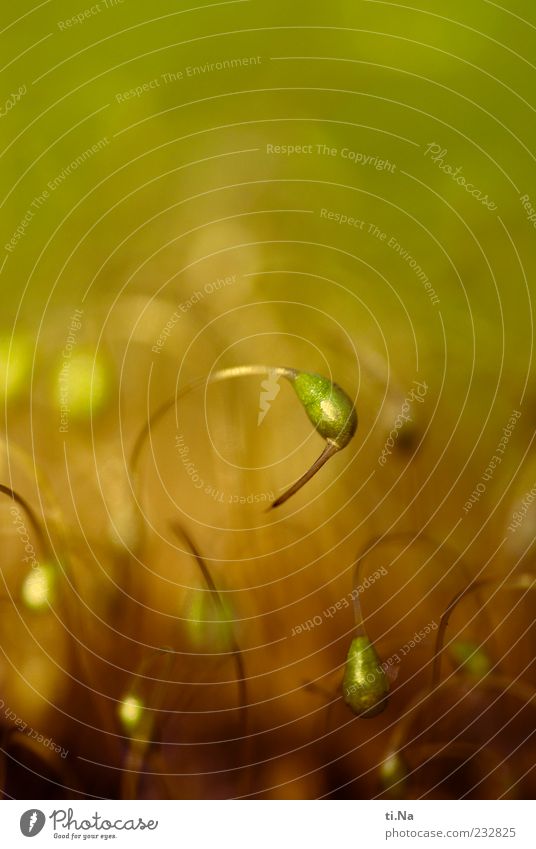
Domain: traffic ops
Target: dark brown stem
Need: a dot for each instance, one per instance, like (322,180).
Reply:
(140,745)
(34,521)
(328,452)
(440,548)
(399,741)
(522,582)
(215,377)
(235,648)
(236,651)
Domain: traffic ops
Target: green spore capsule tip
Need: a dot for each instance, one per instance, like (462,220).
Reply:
(365,686)
(329,408)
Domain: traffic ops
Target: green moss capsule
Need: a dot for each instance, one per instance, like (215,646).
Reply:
(328,406)
(332,414)
(365,686)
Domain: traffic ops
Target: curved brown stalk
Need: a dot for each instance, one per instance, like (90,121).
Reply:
(424,753)
(438,548)
(402,536)
(216,377)
(397,748)
(326,454)
(365,684)
(236,651)
(67,618)
(140,744)
(523,692)
(32,516)
(328,407)
(68,776)
(521,582)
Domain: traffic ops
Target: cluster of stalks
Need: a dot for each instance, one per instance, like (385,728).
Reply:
(456,729)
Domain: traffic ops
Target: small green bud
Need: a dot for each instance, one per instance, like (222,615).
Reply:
(365,686)
(471,658)
(130,712)
(328,406)
(38,587)
(210,624)
(393,774)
